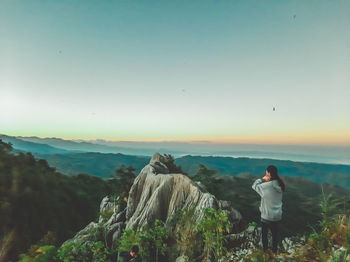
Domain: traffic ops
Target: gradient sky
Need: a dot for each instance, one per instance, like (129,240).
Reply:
(176,70)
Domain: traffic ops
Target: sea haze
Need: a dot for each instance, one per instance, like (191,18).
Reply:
(303,153)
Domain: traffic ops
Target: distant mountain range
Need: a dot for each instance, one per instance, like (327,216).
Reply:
(75,157)
(34,147)
(320,173)
(308,153)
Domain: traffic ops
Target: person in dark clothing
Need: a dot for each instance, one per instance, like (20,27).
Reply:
(270,188)
(131,256)
(273,225)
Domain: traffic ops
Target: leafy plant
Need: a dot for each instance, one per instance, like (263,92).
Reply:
(340,256)
(187,238)
(213,225)
(159,236)
(252,224)
(149,239)
(99,252)
(128,239)
(106,215)
(170,163)
(39,254)
(73,252)
(84,252)
(327,208)
(125,177)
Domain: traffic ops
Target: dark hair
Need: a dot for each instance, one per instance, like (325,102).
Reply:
(274,176)
(135,249)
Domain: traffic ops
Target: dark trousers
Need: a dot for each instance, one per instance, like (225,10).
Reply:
(273,226)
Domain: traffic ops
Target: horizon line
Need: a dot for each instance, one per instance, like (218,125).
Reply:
(214,141)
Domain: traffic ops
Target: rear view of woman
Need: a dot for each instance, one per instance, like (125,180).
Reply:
(271,189)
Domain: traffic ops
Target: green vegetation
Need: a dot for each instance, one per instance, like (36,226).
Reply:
(93,163)
(35,199)
(188,239)
(129,239)
(316,172)
(124,177)
(104,164)
(84,252)
(213,226)
(334,230)
(209,179)
(151,240)
(41,208)
(38,253)
(170,163)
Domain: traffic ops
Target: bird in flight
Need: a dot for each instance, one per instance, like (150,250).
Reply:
(274,109)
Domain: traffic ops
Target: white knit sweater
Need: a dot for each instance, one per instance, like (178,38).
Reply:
(271,199)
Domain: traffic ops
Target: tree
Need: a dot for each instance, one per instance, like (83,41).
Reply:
(327,208)
(208,178)
(5,147)
(170,163)
(187,238)
(125,177)
(159,236)
(213,225)
(36,199)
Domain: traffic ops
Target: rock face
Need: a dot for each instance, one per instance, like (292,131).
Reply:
(158,194)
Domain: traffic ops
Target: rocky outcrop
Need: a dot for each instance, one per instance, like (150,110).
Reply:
(157,194)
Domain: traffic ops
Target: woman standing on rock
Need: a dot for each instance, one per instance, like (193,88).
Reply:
(270,188)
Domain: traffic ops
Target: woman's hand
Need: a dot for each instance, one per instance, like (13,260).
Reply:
(266,179)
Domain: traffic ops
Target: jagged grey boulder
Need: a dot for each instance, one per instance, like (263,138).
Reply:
(108,206)
(156,194)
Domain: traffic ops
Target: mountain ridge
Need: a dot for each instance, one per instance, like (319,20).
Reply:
(103,164)
(300,153)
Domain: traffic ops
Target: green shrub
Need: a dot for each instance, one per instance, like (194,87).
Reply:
(39,254)
(83,252)
(213,226)
(150,239)
(340,256)
(252,224)
(106,215)
(128,239)
(187,238)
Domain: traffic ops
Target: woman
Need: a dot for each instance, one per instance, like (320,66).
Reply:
(271,189)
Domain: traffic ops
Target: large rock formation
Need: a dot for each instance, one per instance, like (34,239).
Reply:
(156,194)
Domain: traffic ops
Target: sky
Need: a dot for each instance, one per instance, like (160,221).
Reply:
(176,70)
